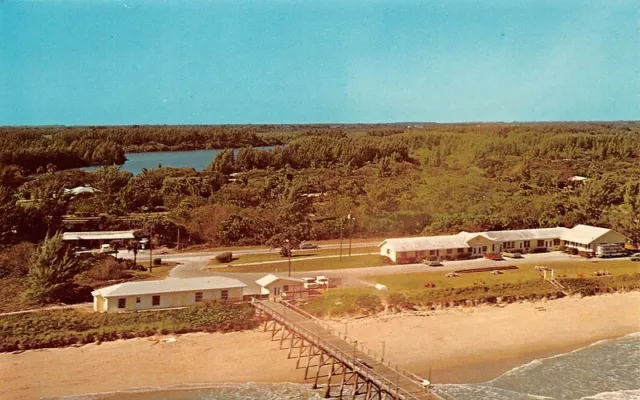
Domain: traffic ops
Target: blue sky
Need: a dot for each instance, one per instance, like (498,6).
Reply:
(199,62)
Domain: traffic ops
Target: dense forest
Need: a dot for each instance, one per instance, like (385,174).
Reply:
(394,179)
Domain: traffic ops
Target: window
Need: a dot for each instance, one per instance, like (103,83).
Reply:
(137,300)
(155,301)
(460,251)
(556,242)
(449,251)
(388,251)
(527,244)
(484,249)
(198,297)
(286,288)
(432,252)
(224,295)
(122,303)
(541,243)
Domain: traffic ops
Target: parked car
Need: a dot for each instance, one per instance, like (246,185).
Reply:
(309,283)
(496,272)
(107,249)
(635,257)
(511,255)
(433,263)
(322,281)
(307,246)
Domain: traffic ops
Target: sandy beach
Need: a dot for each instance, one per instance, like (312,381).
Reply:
(459,345)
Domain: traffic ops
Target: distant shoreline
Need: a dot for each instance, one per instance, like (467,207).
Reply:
(460,345)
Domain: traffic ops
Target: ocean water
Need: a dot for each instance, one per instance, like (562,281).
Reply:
(606,370)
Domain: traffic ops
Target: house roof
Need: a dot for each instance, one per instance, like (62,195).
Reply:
(584,234)
(525,234)
(104,235)
(168,285)
(80,189)
(460,240)
(428,242)
(577,178)
(269,279)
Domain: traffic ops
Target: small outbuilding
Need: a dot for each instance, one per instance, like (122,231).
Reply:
(282,288)
(167,293)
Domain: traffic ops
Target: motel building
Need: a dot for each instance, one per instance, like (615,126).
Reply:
(586,238)
(282,288)
(167,293)
(485,244)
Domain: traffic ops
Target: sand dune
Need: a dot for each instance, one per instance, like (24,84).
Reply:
(460,345)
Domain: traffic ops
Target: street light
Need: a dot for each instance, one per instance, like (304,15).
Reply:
(352,222)
(288,247)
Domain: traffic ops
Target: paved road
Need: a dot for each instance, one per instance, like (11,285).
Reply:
(210,254)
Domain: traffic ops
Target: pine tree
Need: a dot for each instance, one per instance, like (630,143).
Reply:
(53,267)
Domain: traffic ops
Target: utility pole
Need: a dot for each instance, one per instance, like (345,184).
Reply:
(382,359)
(288,254)
(150,248)
(178,237)
(341,228)
(352,222)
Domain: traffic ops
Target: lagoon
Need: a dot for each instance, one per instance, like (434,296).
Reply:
(196,159)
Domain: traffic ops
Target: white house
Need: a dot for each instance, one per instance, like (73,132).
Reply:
(586,238)
(167,293)
(279,287)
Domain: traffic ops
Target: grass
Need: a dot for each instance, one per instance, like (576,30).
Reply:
(408,291)
(345,242)
(311,264)
(158,272)
(297,255)
(524,273)
(68,327)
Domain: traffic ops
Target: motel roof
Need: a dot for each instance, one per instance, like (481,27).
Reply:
(269,279)
(429,242)
(103,235)
(169,285)
(526,234)
(584,234)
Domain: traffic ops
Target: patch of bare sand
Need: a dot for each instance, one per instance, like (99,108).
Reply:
(460,345)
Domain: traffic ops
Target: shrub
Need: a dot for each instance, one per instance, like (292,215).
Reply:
(538,250)
(520,251)
(573,251)
(563,248)
(448,257)
(106,269)
(463,256)
(386,260)
(225,257)
(369,303)
(157,261)
(399,301)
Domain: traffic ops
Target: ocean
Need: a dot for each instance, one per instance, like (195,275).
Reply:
(606,370)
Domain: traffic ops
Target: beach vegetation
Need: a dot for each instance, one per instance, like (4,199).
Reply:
(59,328)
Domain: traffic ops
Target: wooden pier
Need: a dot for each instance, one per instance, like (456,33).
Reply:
(335,363)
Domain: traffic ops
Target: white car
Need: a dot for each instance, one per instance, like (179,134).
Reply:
(322,281)
(309,283)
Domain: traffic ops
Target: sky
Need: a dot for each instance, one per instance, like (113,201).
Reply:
(106,62)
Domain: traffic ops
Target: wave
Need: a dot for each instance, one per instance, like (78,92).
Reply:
(618,395)
(539,361)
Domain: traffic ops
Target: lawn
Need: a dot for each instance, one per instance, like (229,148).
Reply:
(158,272)
(524,273)
(295,257)
(311,264)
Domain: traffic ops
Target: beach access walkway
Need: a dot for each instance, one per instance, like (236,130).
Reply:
(338,361)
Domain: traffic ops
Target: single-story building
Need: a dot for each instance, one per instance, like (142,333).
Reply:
(167,293)
(279,287)
(96,238)
(478,244)
(586,238)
